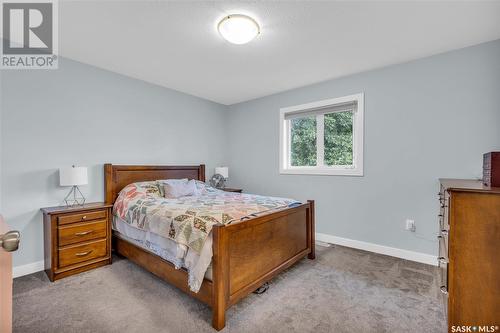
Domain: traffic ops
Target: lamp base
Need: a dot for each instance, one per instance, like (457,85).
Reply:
(74,197)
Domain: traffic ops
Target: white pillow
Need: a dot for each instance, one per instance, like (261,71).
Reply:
(161,182)
(172,190)
(172,181)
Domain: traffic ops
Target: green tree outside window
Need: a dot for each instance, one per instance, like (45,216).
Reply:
(338,140)
(303,141)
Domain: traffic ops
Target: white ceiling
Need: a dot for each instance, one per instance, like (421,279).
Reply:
(176,45)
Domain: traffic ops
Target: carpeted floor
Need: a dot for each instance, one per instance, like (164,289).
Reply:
(343,290)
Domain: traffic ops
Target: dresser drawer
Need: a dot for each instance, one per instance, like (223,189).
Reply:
(81,217)
(444,202)
(81,232)
(442,225)
(81,252)
(443,244)
(443,283)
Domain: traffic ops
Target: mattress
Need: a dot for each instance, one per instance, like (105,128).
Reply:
(166,248)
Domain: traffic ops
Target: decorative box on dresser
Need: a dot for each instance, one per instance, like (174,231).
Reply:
(469,252)
(76,238)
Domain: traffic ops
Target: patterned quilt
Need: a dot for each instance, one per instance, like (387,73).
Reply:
(188,220)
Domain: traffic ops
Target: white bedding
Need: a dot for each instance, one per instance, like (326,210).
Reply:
(198,266)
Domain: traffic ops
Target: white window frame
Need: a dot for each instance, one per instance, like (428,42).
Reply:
(339,170)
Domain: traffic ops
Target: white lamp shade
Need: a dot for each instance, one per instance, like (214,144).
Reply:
(223,171)
(73,176)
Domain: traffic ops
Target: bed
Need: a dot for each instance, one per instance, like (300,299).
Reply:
(246,253)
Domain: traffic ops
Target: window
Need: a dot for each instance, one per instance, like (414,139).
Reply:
(324,138)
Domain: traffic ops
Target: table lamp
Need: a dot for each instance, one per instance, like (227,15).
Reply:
(73,177)
(223,171)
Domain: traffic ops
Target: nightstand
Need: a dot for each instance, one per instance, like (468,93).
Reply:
(76,239)
(229,189)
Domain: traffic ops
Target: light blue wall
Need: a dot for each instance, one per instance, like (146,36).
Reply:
(86,116)
(424,120)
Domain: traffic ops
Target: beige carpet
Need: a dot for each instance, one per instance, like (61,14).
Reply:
(343,290)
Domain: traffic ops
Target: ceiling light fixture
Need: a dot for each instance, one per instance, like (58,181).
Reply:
(238,28)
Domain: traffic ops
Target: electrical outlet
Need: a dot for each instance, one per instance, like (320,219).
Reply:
(410,225)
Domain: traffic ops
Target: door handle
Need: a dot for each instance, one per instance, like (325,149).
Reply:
(10,241)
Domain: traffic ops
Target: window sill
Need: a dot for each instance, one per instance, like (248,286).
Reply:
(322,171)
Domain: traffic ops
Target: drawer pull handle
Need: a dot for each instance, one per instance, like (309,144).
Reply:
(442,260)
(83,254)
(84,233)
(84,217)
(444,290)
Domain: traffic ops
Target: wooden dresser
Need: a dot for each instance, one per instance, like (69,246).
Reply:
(76,238)
(469,253)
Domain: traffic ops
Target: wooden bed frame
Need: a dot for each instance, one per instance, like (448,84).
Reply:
(245,254)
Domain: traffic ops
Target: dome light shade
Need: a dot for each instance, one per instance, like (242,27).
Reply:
(238,28)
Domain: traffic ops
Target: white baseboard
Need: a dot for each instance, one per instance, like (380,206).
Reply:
(390,251)
(27,269)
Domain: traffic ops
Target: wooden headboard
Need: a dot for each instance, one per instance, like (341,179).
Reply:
(117,177)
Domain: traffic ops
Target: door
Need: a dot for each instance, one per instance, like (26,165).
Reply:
(9,241)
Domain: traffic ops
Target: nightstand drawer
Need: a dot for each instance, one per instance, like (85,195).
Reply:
(78,253)
(81,232)
(81,217)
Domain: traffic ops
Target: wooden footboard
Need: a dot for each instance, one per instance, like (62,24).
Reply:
(250,253)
